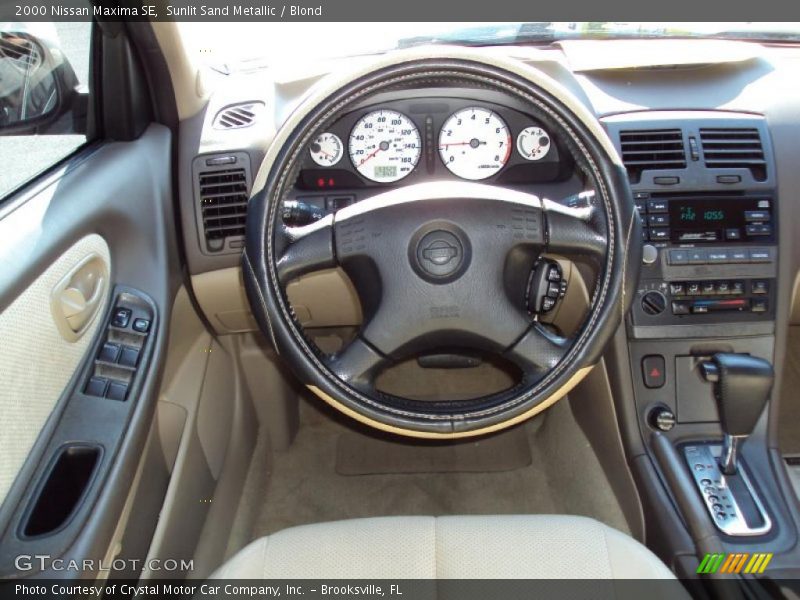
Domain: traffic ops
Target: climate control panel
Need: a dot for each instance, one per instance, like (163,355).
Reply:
(701,297)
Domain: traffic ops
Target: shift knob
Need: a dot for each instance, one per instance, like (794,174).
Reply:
(742,384)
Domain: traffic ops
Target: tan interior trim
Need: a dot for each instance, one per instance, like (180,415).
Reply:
(187,81)
(36,360)
(555,397)
(794,313)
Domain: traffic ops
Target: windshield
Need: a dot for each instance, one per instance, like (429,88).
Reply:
(232,47)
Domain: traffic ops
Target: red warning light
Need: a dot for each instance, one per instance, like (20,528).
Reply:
(331,182)
(321,182)
(655,372)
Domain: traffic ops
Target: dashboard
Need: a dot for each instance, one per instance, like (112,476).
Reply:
(690,208)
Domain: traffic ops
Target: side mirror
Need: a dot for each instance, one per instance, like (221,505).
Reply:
(38,87)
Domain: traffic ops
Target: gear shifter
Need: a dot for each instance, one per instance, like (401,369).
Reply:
(742,384)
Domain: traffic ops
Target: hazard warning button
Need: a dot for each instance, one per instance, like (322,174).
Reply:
(653,371)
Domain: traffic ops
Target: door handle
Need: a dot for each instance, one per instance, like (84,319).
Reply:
(78,297)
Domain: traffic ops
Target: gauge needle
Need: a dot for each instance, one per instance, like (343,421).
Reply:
(444,146)
(378,149)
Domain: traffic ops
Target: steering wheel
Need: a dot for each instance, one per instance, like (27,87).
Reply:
(444,264)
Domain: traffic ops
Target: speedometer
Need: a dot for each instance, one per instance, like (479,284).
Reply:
(474,143)
(384,146)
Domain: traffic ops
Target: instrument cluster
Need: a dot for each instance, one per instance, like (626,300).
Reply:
(421,138)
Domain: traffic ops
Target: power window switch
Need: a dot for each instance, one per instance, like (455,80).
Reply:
(117,391)
(109,352)
(121,317)
(129,356)
(96,387)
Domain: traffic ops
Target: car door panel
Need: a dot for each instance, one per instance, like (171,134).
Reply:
(32,343)
(111,204)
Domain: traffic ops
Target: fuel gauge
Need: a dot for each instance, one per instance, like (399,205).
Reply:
(533,143)
(327,149)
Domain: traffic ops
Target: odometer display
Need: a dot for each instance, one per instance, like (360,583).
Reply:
(474,143)
(384,146)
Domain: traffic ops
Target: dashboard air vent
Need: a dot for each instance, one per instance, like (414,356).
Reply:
(223,202)
(734,148)
(652,149)
(238,115)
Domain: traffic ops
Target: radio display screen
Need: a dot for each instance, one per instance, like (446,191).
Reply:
(707,219)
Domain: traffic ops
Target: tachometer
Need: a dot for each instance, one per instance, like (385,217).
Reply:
(533,143)
(384,146)
(474,143)
(326,150)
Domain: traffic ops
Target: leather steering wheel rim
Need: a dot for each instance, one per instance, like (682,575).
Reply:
(267,243)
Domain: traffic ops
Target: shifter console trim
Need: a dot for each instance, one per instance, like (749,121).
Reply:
(703,461)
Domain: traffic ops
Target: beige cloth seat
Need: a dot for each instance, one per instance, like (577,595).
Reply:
(455,547)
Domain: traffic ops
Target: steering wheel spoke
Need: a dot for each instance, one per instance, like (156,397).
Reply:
(358,364)
(538,351)
(576,231)
(310,248)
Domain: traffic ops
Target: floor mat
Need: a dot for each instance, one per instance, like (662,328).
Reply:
(361,454)
(563,476)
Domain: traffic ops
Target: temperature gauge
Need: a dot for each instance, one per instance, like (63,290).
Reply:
(533,143)
(327,149)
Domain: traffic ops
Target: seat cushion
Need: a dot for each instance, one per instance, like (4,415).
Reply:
(453,547)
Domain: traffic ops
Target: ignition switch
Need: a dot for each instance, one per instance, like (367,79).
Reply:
(545,287)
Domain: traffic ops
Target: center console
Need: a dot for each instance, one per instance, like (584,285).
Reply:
(704,185)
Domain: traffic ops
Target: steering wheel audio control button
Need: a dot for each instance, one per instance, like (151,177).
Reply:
(439,256)
(546,287)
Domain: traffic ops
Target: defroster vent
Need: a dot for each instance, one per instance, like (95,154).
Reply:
(652,149)
(238,115)
(223,203)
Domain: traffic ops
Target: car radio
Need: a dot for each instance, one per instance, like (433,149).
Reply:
(708,259)
(704,220)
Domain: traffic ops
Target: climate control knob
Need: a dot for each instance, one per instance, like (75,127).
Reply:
(654,303)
